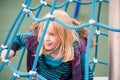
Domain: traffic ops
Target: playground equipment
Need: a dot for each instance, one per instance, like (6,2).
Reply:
(26,10)
(114,40)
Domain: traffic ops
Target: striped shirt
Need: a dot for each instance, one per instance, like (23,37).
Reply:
(60,71)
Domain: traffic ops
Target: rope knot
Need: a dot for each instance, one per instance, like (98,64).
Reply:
(5,60)
(95,60)
(43,2)
(16,75)
(33,73)
(91,21)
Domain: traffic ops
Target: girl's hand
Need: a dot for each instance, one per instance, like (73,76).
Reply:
(3,53)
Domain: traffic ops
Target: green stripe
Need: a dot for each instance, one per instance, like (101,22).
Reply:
(54,73)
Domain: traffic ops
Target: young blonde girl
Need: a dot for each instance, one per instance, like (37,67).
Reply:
(60,53)
(65,51)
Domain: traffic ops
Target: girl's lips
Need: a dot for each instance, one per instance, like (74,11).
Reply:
(48,44)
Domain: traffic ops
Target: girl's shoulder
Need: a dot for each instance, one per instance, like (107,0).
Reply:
(32,37)
(31,40)
(80,45)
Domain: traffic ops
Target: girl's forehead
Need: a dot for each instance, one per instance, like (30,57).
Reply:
(51,28)
(50,25)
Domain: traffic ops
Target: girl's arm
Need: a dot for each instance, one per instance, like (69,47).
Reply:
(19,41)
(18,44)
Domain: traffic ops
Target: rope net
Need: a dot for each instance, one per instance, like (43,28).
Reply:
(27,10)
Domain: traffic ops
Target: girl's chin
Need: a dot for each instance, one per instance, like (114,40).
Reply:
(48,50)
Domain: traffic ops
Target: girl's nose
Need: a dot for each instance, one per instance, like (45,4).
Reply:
(46,38)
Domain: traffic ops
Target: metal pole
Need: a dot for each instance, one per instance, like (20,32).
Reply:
(114,40)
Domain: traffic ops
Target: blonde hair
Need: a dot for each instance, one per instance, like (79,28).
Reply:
(66,36)
(34,26)
(83,32)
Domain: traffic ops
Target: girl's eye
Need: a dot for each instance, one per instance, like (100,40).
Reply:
(52,34)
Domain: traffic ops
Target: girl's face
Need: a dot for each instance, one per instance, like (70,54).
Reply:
(51,41)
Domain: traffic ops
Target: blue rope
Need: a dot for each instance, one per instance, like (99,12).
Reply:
(97,36)
(21,16)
